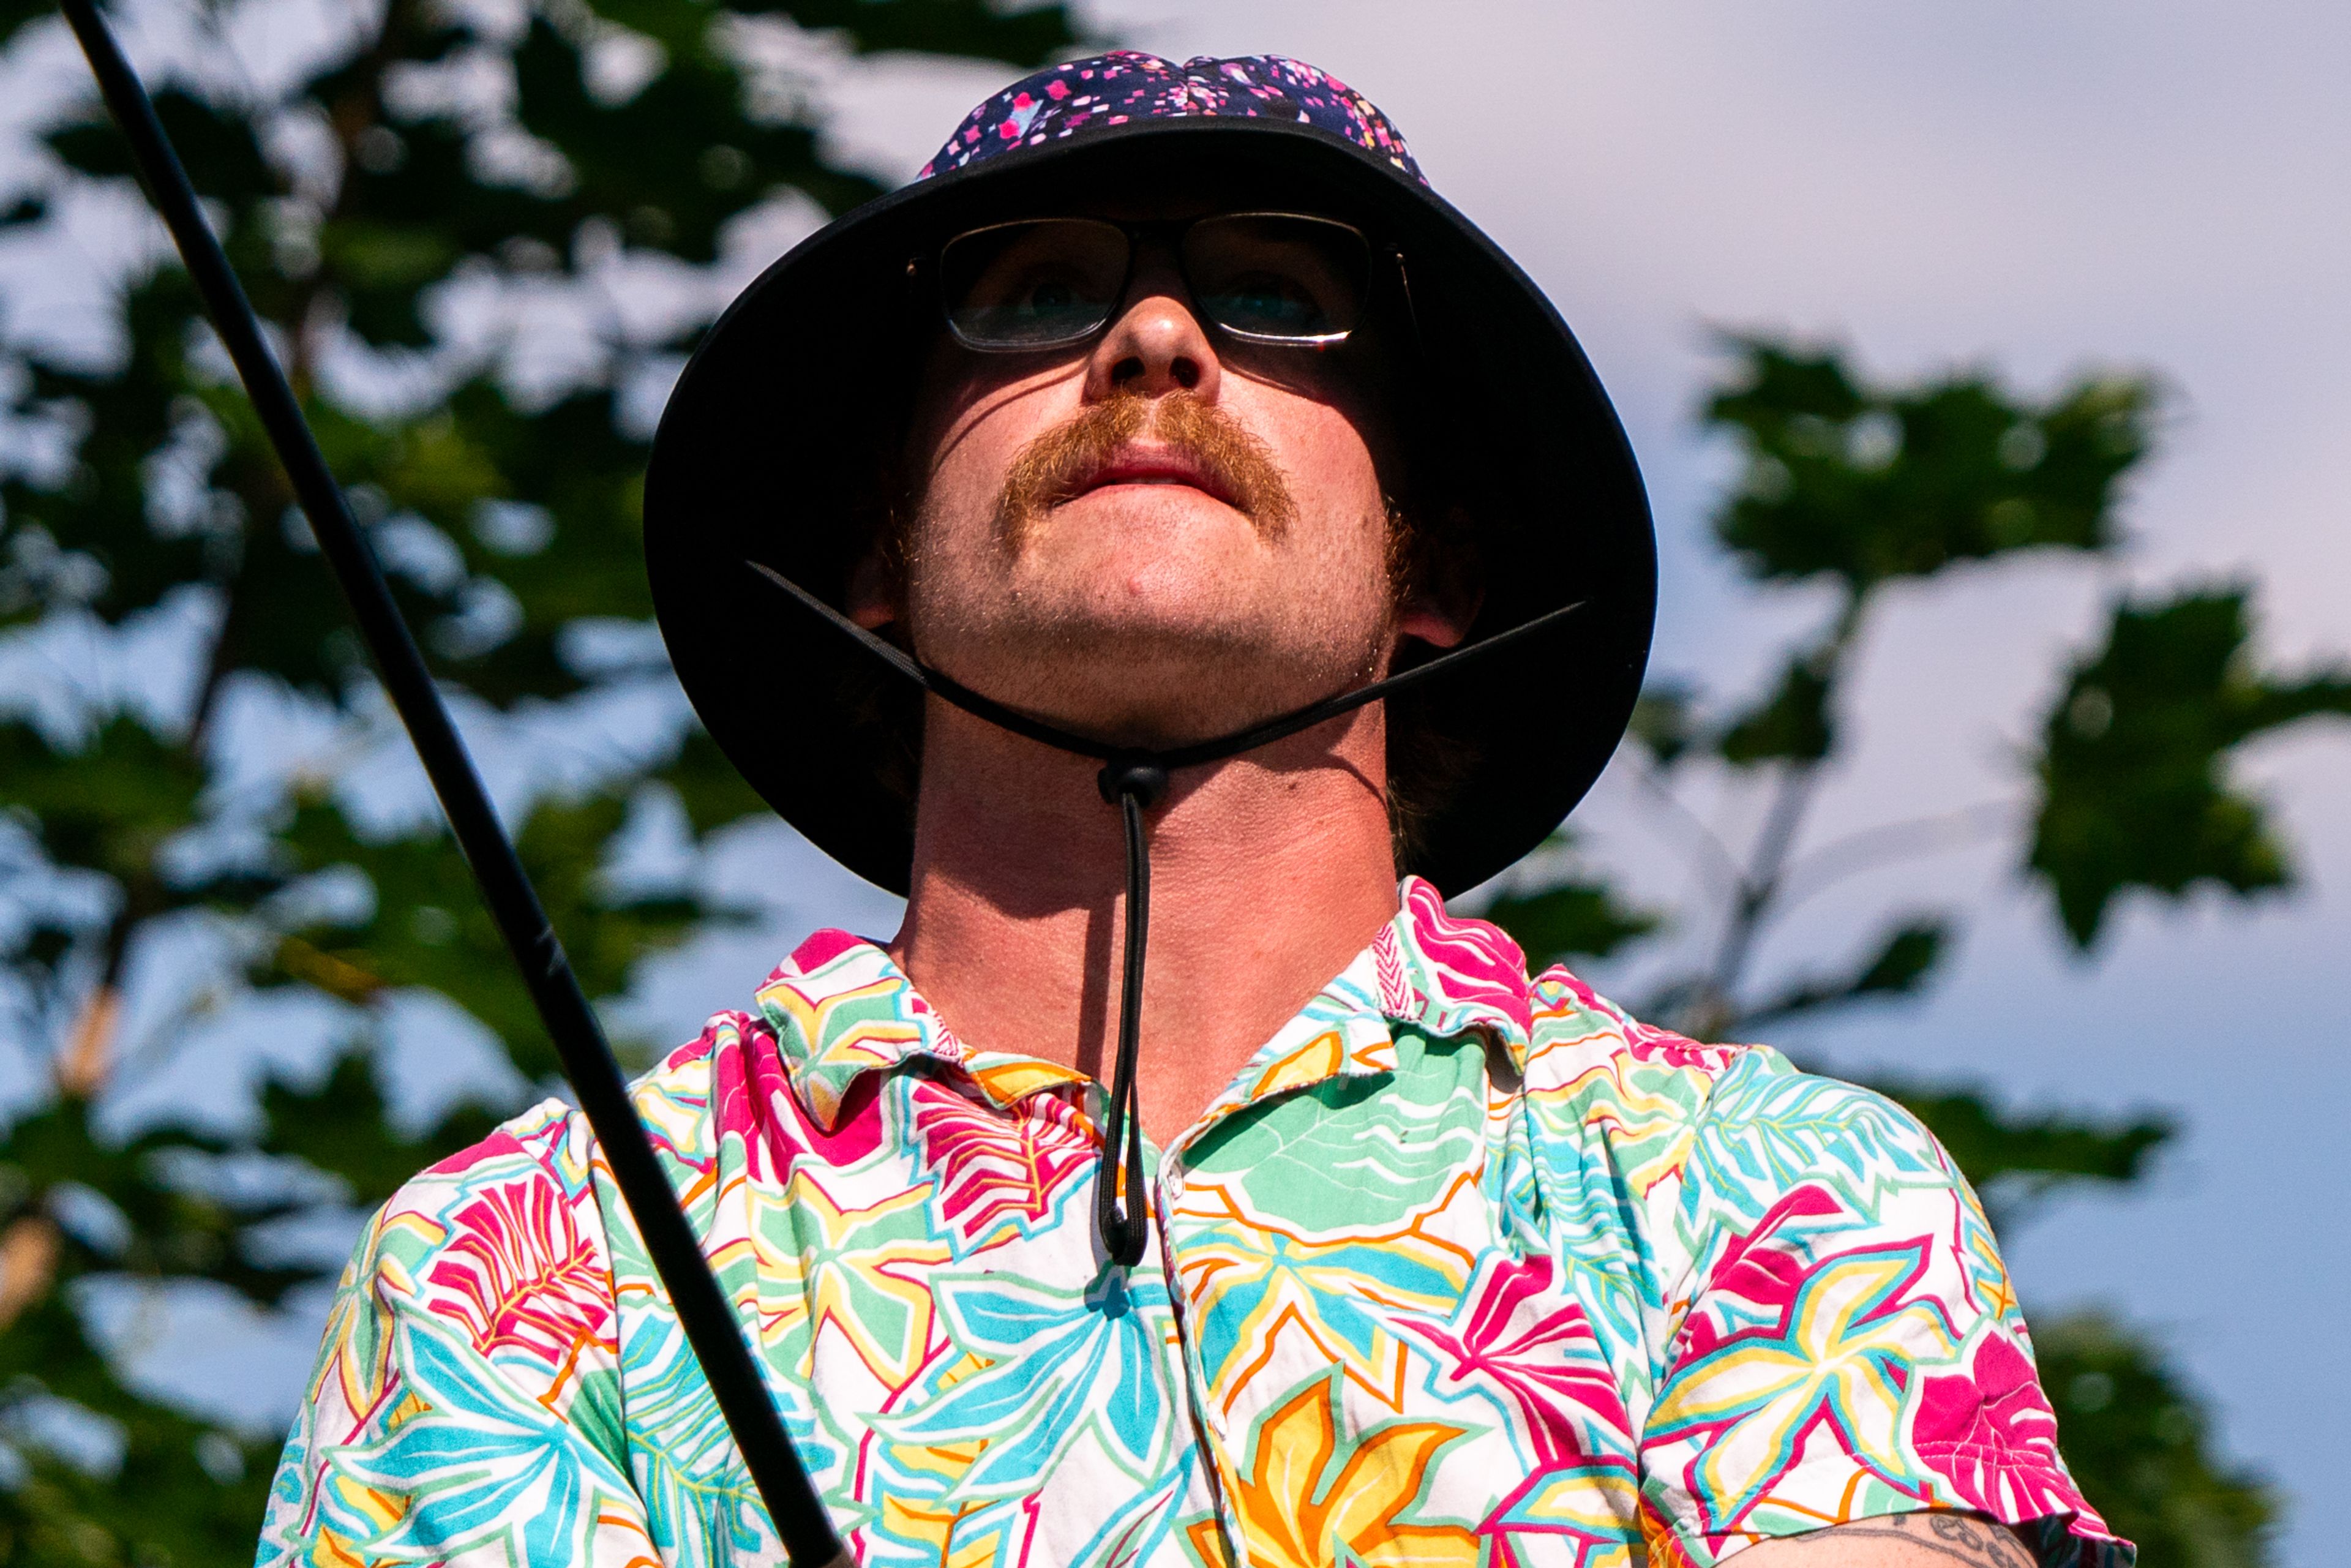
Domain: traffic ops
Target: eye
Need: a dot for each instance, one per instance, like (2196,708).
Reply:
(1031,284)
(1050,294)
(1278,275)
(1270,302)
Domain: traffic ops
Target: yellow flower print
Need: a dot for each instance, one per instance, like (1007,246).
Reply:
(864,1269)
(1309,1496)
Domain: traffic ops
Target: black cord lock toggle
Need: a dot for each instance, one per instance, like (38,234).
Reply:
(1135,773)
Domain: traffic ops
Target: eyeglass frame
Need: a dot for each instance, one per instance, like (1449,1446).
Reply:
(1135,232)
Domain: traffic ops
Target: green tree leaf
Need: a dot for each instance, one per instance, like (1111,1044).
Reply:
(1864,485)
(2134,770)
(1792,725)
(343,1125)
(1663,722)
(2015,1159)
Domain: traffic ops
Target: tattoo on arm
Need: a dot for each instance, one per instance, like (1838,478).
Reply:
(1966,1539)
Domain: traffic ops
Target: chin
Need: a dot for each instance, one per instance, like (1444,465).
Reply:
(1183,562)
(1143,671)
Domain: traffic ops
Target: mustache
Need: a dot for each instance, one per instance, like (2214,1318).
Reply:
(1056,465)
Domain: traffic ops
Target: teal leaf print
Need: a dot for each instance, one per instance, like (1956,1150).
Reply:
(1066,1363)
(482,1466)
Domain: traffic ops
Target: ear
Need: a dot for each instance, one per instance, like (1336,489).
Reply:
(872,599)
(1448,586)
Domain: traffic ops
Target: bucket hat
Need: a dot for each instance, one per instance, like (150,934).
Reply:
(770,445)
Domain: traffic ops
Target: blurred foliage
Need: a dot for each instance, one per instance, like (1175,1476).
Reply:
(2013,1157)
(2141,1445)
(341,1125)
(2135,790)
(1854,486)
(1570,918)
(1865,484)
(554,155)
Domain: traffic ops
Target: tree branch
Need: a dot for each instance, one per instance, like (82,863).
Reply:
(1873,847)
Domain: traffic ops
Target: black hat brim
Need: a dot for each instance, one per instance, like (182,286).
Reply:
(765,453)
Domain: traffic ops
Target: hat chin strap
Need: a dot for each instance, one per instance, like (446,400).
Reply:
(1134,780)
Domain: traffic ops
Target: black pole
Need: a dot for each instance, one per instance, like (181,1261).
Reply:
(702,1309)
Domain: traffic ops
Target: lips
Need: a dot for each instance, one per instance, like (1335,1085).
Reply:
(1134,464)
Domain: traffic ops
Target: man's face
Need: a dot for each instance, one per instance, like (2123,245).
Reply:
(1159,536)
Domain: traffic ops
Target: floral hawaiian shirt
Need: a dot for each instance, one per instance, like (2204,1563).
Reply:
(1464,1268)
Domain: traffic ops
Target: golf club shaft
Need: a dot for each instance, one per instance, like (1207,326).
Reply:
(702,1308)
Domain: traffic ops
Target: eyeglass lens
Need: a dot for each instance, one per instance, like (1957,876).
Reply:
(1273,277)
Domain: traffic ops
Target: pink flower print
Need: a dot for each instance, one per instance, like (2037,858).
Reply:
(1762,1268)
(1513,1333)
(497,1146)
(998,1170)
(1478,963)
(517,1275)
(1057,89)
(1649,1043)
(752,1091)
(1584,996)
(1991,1433)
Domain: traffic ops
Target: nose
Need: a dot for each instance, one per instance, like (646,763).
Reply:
(1157,344)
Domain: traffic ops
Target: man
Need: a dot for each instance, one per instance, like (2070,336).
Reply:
(989,531)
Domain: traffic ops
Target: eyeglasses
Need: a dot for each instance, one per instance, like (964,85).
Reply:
(1046,283)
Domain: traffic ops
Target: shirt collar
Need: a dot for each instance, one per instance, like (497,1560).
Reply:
(841,1008)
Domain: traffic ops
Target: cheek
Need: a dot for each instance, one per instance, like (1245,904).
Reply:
(1320,448)
(962,467)
(1335,482)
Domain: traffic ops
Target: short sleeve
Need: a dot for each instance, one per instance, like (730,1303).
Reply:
(465,1405)
(1848,1344)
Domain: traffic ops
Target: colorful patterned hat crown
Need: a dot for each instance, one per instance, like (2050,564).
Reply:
(1118,89)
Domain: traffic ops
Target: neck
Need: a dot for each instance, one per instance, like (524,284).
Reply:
(1269,874)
